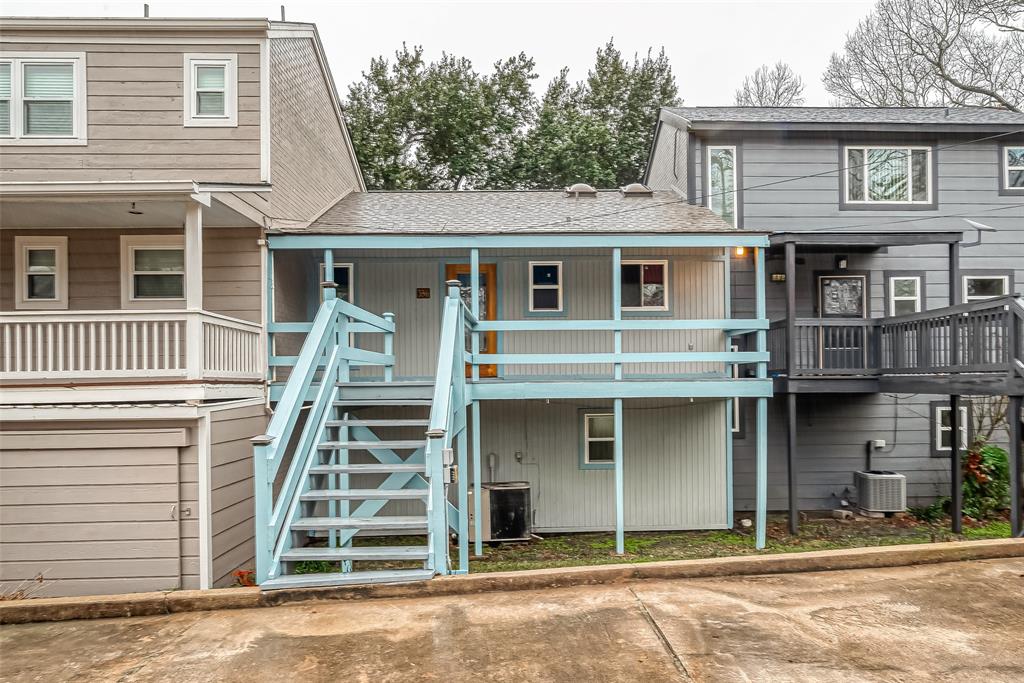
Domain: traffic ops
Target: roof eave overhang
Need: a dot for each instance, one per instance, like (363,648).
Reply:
(18,189)
(134,25)
(770,126)
(866,239)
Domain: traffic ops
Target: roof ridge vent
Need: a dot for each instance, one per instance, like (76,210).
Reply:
(580,190)
(636,190)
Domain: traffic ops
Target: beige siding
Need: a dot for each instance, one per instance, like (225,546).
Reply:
(135,120)
(99,508)
(232,489)
(311,159)
(231,269)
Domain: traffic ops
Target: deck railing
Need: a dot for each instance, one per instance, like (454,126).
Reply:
(978,337)
(109,345)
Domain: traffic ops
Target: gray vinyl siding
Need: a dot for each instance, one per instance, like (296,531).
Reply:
(99,508)
(231,269)
(231,483)
(135,117)
(387,282)
(833,430)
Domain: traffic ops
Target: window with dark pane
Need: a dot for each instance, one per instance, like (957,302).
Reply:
(158,273)
(599,437)
(631,285)
(654,285)
(1014,160)
(545,286)
(42,274)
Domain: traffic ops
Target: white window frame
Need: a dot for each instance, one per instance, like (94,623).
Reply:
(909,149)
(964,427)
(735,182)
(22,245)
(129,244)
(534,287)
(587,440)
(968,298)
(1007,168)
(230,116)
(79,127)
(642,263)
(351,280)
(892,292)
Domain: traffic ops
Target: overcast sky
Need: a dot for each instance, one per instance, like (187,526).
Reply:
(712,45)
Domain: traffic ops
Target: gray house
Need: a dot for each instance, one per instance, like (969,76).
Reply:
(873,214)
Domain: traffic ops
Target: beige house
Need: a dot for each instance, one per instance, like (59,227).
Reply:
(141,163)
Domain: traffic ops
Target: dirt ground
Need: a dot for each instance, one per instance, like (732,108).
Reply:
(958,621)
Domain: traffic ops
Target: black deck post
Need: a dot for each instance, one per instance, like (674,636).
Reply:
(1016,465)
(956,490)
(791,460)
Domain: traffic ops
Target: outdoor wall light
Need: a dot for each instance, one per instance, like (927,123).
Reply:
(741,251)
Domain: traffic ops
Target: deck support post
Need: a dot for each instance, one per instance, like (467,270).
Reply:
(478,530)
(1013,422)
(791,457)
(194,360)
(463,494)
(474,307)
(620,524)
(956,487)
(761,494)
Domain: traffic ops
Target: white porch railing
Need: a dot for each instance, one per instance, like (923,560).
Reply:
(45,345)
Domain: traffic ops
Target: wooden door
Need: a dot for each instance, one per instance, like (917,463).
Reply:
(488,304)
(842,296)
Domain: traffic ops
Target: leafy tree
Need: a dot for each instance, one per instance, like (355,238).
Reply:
(440,125)
(777,86)
(933,53)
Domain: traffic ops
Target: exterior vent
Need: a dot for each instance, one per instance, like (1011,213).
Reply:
(881,491)
(636,190)
(580,190)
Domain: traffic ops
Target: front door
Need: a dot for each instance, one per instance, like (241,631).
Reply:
(842,296)
(488,304)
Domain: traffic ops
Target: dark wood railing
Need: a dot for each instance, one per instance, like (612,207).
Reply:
(979,337)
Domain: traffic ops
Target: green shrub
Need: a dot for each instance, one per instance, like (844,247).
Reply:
(932,513)
(315,567)
(986,471)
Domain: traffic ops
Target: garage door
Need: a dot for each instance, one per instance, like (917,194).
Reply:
(92,511)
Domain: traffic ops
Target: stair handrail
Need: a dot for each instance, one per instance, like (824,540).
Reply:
(448,402)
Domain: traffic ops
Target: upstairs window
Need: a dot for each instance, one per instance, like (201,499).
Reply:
(904,294)
(643,285)
(41,272)
(42,99)
(721,190)
(981,287)
(211,90)
(545,286)
(1013,168)
(888,175)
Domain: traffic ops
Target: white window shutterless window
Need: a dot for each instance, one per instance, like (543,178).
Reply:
(152,271)
(943,430)
(904,294)
(721,190)
(644,285)
(888,175)
(598,440)
(980,287)
(41,273)
(42,99)
(545,286)
(211,90)
(342,278)
(1013,168)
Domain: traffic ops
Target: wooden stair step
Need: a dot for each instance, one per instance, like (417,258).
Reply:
(366,494)
(371,468)
(378,423)
(347,578)
(371,445)
(367,552)
(370,402)
(374,523)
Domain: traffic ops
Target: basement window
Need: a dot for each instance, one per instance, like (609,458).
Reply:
(598,447)
(643,285)
(41,267)
(211,87)
(545,286)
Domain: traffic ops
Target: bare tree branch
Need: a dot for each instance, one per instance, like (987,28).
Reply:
(771,87)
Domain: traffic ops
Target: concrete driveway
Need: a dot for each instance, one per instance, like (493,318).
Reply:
(960,621)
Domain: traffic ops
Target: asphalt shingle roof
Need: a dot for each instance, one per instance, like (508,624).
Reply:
(497,212)
(878,115)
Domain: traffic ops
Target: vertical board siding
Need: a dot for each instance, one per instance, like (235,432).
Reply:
(100,508)
(231,484)
(231,269)
(833,430)
(674,463)
(135,117)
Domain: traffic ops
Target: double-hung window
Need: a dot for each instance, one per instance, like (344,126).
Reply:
(980,287)
(942,430)
(42,99)
(152,270)
(721,190)
(904,294)
(888,175)
(211,90)
(41,272)
(644,285)
(598,447)
(545,286)
(1013,167)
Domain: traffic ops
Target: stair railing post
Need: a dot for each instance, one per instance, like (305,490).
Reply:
(264,503)
(389,349)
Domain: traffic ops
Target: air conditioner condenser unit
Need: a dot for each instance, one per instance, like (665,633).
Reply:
(505,512)
(881,491)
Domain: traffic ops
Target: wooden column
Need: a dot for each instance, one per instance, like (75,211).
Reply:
(1016,465)
(761,492)
(194,361)
(620,535)
(474,307)
(791,456)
